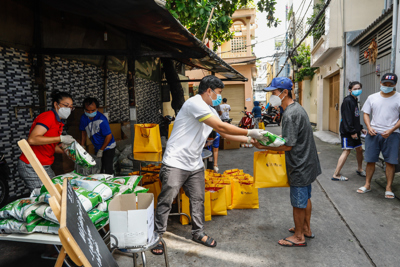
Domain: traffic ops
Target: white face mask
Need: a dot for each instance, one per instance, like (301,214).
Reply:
(64,113)
(275,100)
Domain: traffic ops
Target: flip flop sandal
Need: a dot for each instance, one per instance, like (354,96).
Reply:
(293,244)
(388,193)
(362,174)
(158,247)
(363,189)
(306,236)
(207,243)
(342,178)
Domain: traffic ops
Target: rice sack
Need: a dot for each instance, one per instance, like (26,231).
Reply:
(105,189)
(78,154)
(273,140)
(21,210)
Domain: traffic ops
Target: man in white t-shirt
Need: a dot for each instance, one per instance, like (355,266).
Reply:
(182,161)
(225,108)
(383,131)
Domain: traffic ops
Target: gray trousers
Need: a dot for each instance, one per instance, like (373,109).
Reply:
(193,184)
(28,174)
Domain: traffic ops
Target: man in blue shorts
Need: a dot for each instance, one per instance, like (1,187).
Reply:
(302,162)
(383,132)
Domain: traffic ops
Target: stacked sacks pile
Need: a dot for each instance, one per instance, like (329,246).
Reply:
(233,189)
(34,214)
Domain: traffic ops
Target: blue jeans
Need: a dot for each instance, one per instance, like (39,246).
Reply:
(299,196)
(389,148)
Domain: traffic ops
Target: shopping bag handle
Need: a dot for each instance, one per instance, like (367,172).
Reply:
(141,132)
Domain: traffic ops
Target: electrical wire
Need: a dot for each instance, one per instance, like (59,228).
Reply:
(322,11)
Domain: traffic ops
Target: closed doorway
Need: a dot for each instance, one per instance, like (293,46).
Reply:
(334,85)
(234,93)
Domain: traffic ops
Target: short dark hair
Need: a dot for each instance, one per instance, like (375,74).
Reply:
(90,100)
(289,92)
(210,81)
(352,84)
(224,100)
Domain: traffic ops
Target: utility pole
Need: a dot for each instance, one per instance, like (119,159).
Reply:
(292,55)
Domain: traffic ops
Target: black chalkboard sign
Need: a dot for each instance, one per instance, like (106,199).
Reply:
(82,236)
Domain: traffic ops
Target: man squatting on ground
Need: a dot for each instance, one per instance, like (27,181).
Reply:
(182,161)
(302,162)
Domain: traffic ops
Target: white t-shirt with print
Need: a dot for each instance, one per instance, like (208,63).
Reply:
(189,135)
(225,108)
(385,111)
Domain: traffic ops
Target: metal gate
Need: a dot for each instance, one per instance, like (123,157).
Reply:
(371,73)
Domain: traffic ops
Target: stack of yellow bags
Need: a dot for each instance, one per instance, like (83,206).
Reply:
(233,189)
(151,180)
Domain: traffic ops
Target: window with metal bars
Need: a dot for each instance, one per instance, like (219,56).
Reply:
(238,44)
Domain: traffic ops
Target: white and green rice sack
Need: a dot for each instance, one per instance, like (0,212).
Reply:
(273,140)
(103,206)
(45,212)
(140,189)
(128,184)
(88,199)
(101,176)
(96,216)
(13,226)
(105,189)
(46,227)
(21,210)
(101,224)
(79,155)
(59,179)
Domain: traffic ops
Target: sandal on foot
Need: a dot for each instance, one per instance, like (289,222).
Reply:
(207,243)
(306,236)
(361,173)
(363,189)
(158,247)
(389,195)
(292,244)
(342,178)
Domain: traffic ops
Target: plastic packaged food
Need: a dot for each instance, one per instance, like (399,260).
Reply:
(78,154)
(273,140)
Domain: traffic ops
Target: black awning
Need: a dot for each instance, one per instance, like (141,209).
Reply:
(150,19)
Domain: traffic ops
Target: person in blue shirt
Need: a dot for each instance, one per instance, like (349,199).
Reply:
(256,113)
(95,126)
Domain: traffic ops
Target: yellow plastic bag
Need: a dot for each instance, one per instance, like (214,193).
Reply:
(185,208)
(261,125)
(244,196)
(270,169)
(218,200)
(147,138)
(170,127)
(207,206)
(154,188)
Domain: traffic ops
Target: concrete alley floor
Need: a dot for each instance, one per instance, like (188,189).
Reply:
(351,229)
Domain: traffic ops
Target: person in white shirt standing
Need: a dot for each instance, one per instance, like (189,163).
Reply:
(383,131)
(182,161)
(225,108)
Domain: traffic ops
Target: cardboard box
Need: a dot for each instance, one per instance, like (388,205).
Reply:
(228,144)
(131,226)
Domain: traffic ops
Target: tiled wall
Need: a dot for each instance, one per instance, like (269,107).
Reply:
(17,89)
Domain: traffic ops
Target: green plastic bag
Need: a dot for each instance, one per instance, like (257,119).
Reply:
(273,140)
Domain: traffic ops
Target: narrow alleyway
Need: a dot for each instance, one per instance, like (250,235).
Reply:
(351,229)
